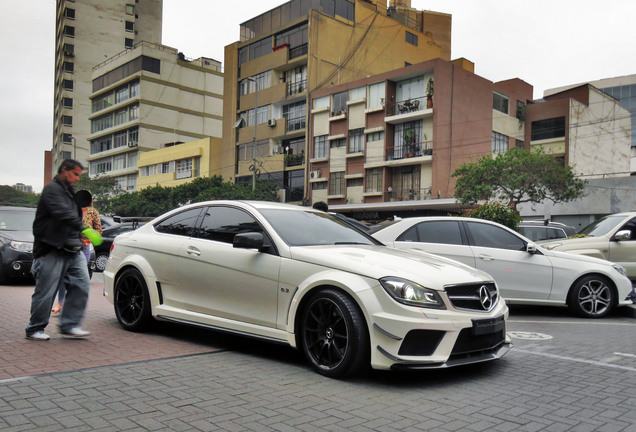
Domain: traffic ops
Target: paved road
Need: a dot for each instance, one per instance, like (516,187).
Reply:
(565,374)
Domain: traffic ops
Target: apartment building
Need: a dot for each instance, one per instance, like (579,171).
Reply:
(304,46)
(87,33)
(175,165)
(148,97)
(623,89)
(391,142)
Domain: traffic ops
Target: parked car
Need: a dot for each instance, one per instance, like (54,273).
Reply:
(16,243)
(540,230)
(612,238)
(525,273)
(299,276)
(108,235)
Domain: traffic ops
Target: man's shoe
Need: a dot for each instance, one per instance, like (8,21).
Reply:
(38,336)
(76,332)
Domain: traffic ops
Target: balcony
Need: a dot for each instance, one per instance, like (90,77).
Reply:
(294,88)
(407,110)
(409,194)
(292,160)
(415,150)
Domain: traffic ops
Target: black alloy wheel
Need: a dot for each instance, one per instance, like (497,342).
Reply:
(334,334)
(592,297)
(132,303)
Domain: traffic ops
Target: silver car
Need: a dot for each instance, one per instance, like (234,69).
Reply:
(302,277)
(525,273)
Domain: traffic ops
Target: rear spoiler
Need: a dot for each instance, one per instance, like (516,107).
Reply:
(135,220)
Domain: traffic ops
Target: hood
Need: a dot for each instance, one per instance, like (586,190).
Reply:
(378,261)
(23,236)
(574,257)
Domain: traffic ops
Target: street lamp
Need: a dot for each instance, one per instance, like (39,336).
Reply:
(254,136)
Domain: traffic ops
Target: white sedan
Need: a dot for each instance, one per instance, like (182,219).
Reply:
(302,277)
(525,273)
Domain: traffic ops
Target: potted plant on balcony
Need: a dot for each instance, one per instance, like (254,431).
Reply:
(429,93)
(409,142)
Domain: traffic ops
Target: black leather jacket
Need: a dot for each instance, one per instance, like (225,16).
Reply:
(58,219)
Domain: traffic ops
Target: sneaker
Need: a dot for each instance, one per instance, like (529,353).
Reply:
(38,336)
(76,332)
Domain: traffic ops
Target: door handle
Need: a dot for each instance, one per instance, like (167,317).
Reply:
(193,251)
(486,257)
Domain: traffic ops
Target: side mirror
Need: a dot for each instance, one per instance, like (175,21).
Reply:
(248,240)
(531,248)
(622,235)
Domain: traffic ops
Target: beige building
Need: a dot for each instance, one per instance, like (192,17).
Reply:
(87,33)
(147,98)
(302,46)
(179,164)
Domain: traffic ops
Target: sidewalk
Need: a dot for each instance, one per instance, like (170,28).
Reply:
(108,344)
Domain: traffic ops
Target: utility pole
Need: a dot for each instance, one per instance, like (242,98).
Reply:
(254,136)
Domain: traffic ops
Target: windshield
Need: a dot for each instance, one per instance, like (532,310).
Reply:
(308,228)
(17,220)
(601,226)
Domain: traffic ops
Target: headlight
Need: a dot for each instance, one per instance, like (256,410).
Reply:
(21,246)
(620,269)
(411,293)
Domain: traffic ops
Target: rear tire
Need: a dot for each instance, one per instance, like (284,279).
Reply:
(592,297)
(334,334)
(100,262)
(132,302)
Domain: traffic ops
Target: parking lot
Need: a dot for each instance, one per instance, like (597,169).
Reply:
(565,373)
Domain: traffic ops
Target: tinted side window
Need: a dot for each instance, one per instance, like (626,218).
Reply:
(179,224)
(445,232)
(491,236)
(223,223)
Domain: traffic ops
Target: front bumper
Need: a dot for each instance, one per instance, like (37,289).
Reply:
(16,264)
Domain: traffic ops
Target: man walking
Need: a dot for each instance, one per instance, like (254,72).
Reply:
(58,257)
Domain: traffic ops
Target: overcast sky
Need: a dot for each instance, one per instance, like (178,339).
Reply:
(547,43)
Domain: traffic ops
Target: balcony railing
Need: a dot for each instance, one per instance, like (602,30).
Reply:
(296,87)
(424,148)
(298,51)
(294,159)
(294,124)
(409,194)
(406,106)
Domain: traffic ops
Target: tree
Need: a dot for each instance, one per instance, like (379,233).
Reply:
(102,188)
(496,212)
(515,177)
(12,197)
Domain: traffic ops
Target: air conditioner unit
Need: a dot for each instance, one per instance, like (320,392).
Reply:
(132,143)
(271,122)
(314,174)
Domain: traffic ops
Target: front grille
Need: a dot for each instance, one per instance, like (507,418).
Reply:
(470,343)
(472,296)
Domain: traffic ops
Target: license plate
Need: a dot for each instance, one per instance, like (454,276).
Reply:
(487,326)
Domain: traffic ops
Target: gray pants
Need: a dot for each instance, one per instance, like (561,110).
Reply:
(49,270)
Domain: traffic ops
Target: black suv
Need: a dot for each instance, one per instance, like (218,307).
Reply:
(16,243)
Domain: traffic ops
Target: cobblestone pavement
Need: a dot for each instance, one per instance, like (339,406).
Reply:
(565,374)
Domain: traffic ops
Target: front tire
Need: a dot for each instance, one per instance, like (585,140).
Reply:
(334,334)
(100,262)
(132,302)
(592,297)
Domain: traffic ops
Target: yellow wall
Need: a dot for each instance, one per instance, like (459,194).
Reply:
(206,149)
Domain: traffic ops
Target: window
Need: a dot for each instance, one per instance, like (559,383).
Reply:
(445,232)
(356,141)
(500,102)
(184,168)
(321,102)
(69,31)
(340,142)
(67,138)
(67,120)
(69,49)
(374,180)
(295,146)
(376,95)
(355,182)
(180,224)
(499,142)
(549,128)
(411,38)
(296,80)
(130,9)
(69,67)
(336,183)
(165,167)
(100,145)
(67,102)
(120,139)
(295,114)
(130,26)
(321,147)
(67,84)
(357,93)
(490,236)
(133,112)
(260,48)
(264,113)
(121,116)
(121,94)
(128,43)
(339,102)
(261,81)
(223,223)
(66,155)
(147,171)
(375,136)
(69,13)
